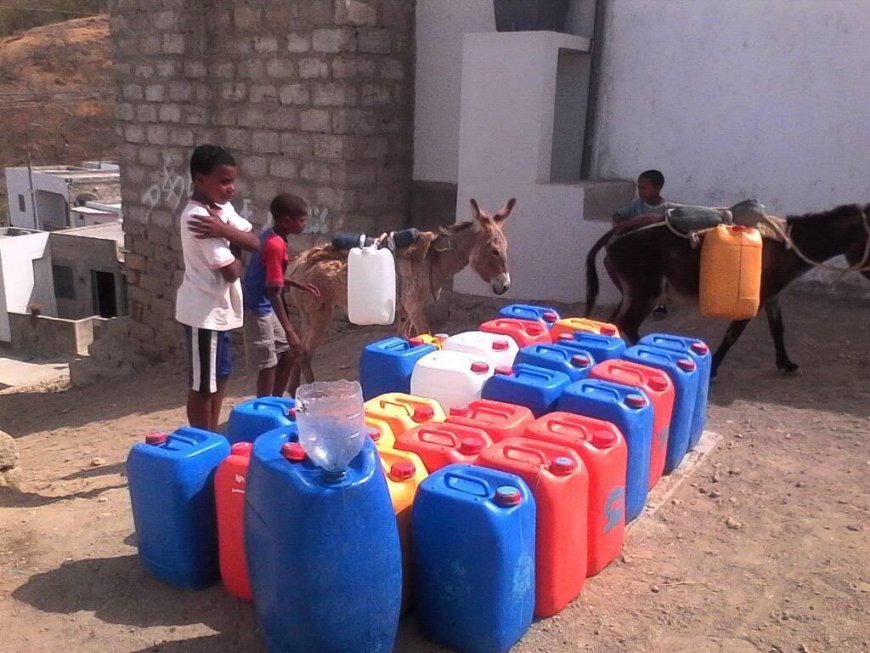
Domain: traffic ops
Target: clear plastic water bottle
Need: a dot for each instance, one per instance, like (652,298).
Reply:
(331,423)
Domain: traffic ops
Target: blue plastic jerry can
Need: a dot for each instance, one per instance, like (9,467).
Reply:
(171,480)
(599,346)
(537,388)
(385,366)
(545,314)
(250,419)
(569,361)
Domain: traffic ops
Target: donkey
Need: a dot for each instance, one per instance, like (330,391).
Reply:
(643,259)
(423,270)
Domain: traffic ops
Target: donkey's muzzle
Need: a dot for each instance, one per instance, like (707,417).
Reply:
(501,283)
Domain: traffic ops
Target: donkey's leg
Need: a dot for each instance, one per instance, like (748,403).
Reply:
(774,321)
(731,336)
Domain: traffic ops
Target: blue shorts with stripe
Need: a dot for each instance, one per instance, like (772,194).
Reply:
(209,356)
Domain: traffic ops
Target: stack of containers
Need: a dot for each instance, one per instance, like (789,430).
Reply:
(631,412)
(442,444)
(250,419)
(385,366)
(657,387)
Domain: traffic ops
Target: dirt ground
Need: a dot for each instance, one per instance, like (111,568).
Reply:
(764,547)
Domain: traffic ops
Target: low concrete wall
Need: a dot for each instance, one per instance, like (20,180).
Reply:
(48,337)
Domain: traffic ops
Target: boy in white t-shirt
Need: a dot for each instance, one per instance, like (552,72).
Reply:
(209,300)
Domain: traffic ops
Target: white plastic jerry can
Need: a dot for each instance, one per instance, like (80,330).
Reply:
(496,349)
(450,377)
(371,286)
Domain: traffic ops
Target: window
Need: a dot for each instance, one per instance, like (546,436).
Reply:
(64,285)
(22,204)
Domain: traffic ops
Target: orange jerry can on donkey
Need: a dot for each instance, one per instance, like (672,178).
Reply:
(731,263)
(229,486)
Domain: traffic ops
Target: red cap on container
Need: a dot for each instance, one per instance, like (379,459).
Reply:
(402,470)
(291,414)
(417,341)
(423,414)
(500,345)
(480,367)
(700,348)
(580,361)
(566,336)
(562,465)
(242,448)
(686,365)
(658,385)
(534,329)
(635,401)
(504,370)
(470,446)
(507,496)
(374,434)
(293,451)
(460,410)
(442,336)
(156,438)
(608,330)
(549,316)
(603,439)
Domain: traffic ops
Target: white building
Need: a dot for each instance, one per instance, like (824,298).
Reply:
(58,197)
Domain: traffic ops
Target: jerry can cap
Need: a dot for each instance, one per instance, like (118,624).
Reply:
(156,438)
(373,433)
(291,414)
(657,384)
(580,361)
(480,367)
(500,345)
(293,451)
(534,329)
(460,410)
(504,370)
(423,414)
(470,446)
(566,336)
(241,449)
(441,336)
(402,470)
(607,330)
(549,316)
(508,496)
(700,348)
(603,439)
(635,401)
(686,364)
(416,342)
(562,465)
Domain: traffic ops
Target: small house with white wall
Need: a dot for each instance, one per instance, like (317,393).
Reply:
(48,198)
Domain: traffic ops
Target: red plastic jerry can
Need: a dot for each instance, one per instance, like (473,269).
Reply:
(441,444)
(501,420)
(229,485)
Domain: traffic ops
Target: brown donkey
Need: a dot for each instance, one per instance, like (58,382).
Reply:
(423,269)
(643,258)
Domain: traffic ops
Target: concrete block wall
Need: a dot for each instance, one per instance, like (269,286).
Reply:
(311,96)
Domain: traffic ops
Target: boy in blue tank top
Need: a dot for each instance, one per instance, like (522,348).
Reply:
(272,342)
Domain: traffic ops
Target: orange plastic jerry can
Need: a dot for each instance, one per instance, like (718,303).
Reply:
(230,484)
(403,411)
(570,325)
(730,283)
(381,432)
(404,471)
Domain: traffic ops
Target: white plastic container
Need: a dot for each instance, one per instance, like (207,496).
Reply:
(497,350)
(371,286)
(450,377)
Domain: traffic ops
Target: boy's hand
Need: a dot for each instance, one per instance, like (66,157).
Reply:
(209,226)
(309,287)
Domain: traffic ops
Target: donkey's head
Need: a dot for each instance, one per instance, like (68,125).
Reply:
(488,256)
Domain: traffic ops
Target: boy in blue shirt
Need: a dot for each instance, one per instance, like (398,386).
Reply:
(272,342)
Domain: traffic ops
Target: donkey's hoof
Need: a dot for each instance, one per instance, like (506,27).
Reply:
(788,368)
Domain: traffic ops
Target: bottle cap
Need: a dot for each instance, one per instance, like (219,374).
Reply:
(658,385)
(480,367)
(504,370)
(549,317)
(470,446)
(562,466)
(700,348)
(507,496)
(156,438)
(500,345)
(580,361)
(423,414)
(686,365)
(242,448)
(374,434)
(603,439)
(635,401)
(402,470)
(608,330)
(293,451)
(460,410)
(416,342)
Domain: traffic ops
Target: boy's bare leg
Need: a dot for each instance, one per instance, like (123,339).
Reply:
(266,381)
(217,401)
(282,373)
(199,409)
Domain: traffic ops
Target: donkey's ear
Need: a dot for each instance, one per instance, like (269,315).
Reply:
(475,210)
(502,214)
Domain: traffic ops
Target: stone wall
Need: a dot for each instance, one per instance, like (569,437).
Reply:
(52,337)
(311,96)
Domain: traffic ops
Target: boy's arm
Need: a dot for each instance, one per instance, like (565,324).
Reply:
(307,287)
(211,226)
(276,298)
(231,271)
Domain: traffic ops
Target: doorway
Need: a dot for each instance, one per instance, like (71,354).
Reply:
(105,297)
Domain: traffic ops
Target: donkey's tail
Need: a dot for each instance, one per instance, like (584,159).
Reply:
(592,285)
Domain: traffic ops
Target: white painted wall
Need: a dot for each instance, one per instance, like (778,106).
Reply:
(20,257)
(18,183)
(734,99)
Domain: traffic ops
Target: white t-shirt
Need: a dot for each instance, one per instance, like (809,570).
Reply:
(205,299)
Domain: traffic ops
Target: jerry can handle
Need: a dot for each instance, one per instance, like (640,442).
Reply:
(511,447)
(439,437)
(561,425)
(463,483)
(386,402)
